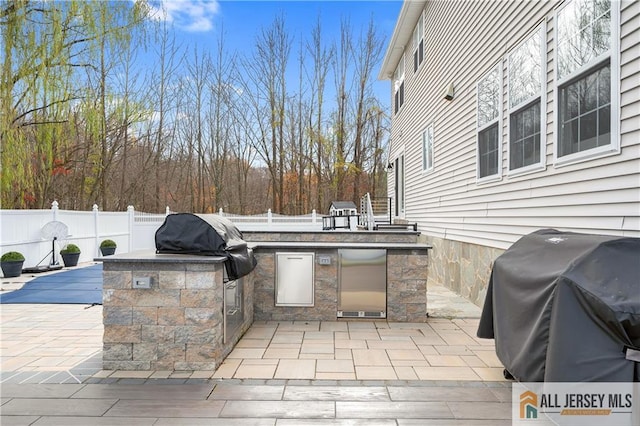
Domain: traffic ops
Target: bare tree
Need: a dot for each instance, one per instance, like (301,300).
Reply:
(194,126)
(341,72)
(266,75)
(366,56)
(199,131)
(221,117)
(163,117)
(321,57)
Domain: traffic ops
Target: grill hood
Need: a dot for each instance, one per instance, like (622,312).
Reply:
(207,235)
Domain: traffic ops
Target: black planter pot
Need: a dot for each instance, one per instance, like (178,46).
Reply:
(12,268)
(70,259)
(107,251)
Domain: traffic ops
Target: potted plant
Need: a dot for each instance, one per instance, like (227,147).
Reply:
(11,264)
(108,247)
(70,255)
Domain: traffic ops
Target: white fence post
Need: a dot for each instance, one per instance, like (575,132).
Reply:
(371,220)
(95,227)
(167,211)
(54,209)
(313,216)
(220,212)
(131,213)
(269,219)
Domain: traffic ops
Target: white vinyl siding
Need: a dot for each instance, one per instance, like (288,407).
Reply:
(598,195)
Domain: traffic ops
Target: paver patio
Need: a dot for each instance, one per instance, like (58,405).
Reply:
(280,373)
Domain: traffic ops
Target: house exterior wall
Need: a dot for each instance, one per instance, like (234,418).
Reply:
(471,219)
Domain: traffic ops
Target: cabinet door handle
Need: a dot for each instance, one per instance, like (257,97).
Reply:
(295,258)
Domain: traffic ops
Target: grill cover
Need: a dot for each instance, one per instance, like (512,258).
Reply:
(565,307)
(210,235)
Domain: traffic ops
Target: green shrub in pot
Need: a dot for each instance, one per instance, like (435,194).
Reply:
(11,263)
(12,256)
(108,247)
(70,249)
(70,255)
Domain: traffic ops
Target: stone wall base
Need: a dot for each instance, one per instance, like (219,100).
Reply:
(462,267)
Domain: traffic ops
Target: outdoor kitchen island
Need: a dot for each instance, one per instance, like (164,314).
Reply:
(385,281)
(172,311)
(385,272)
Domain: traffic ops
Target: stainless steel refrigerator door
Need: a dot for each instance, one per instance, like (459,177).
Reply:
(362,283)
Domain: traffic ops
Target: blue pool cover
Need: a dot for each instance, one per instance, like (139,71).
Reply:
(77,286)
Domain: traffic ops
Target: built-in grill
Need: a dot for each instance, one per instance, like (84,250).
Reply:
(212,235)
(233,301)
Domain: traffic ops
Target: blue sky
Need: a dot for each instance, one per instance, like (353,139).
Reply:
(198,22)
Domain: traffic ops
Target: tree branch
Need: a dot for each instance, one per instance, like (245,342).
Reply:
(24,114)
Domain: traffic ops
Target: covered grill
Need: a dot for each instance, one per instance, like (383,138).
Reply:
(210,235)
(565,307)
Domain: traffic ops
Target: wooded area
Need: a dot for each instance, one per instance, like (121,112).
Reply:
(82,122)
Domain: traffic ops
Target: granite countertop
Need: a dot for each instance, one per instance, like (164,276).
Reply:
(337,244)
(153,257)
(335,231)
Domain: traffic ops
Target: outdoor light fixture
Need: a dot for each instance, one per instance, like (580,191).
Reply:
(449,92)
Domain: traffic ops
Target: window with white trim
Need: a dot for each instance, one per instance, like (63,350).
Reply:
(585,33)
(418,43)
(525,100)
(488,124)
(398,86)
(427,148)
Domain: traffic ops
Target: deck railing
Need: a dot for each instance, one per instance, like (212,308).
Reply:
(374,211)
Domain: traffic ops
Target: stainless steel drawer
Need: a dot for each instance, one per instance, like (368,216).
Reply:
(294,279)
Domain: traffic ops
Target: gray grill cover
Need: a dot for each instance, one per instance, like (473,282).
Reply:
(565,307)
(207,235)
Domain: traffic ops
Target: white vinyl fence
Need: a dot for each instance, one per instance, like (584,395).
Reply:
(22,230)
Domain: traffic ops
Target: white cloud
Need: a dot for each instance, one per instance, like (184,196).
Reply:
(188,15)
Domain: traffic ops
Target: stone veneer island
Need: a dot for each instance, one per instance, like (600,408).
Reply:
(178,322)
